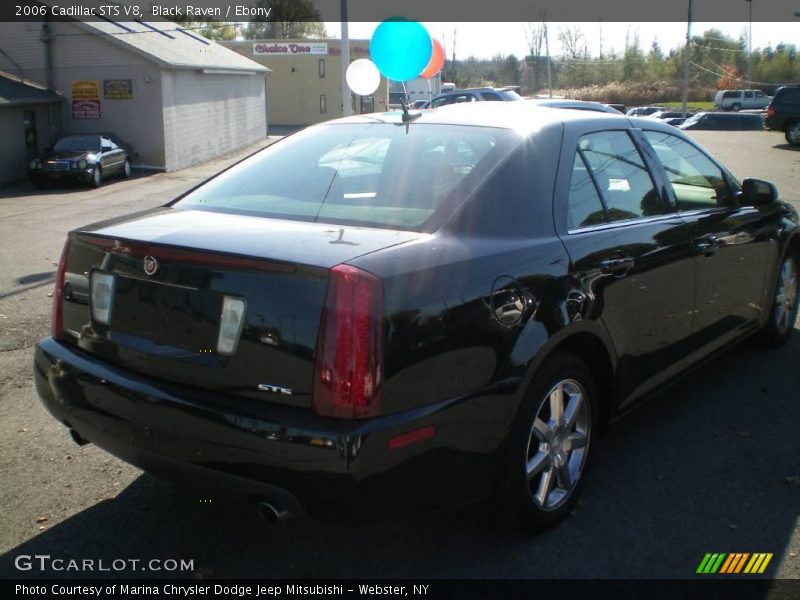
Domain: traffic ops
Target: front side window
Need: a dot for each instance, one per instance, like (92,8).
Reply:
(623,179)
(361,174)
(696,181)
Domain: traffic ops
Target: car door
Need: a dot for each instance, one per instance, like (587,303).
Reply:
(732,242)
(631,258)
(112,157)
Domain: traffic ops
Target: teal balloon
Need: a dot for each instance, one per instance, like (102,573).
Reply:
(401,49)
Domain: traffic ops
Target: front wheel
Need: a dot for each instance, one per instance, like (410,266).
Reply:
(784,303)
(97,176)
(126,169)
(549,448)
(792,134)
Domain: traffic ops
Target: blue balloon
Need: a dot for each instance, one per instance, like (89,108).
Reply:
(401,49)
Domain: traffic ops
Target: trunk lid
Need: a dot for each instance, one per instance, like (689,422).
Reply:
(172,271)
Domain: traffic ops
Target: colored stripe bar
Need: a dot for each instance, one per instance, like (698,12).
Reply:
(703,563)
(741,563)
(729,562)
(713,568)
(765,563)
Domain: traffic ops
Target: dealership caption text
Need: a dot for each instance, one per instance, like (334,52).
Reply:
(134,11)
(204,591)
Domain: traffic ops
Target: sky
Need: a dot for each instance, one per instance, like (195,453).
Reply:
(485,40)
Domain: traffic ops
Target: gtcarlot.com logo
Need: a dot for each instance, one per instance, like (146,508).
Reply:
(45,562)
(734,563)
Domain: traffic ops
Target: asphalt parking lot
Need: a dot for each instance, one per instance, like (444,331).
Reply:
(712,465)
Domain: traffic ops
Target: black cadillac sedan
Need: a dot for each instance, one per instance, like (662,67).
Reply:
(377,313)
(87,158)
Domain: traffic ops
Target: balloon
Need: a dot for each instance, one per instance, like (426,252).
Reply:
(363,77)
(400,49)
(436,62)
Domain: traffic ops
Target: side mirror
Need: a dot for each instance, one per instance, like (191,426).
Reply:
(756,192)
(106,148)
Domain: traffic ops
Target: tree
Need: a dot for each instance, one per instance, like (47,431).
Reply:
(534,65)
(287,19)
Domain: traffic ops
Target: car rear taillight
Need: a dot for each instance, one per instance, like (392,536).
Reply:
(770,111)
(349,362)
(57,321)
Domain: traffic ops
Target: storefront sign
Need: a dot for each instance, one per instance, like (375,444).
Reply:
(83,89)
(117,89)
(85,109)
(289,49)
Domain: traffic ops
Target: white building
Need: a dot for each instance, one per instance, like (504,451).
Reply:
(174,96)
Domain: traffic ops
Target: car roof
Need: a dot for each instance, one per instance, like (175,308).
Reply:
(523,117)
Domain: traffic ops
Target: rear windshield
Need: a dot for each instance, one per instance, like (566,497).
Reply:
(375,174)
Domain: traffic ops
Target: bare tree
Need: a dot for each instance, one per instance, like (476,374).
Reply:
(572,41)
(534,36)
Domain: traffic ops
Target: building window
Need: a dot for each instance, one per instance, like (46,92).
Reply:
(322,68)
(323,104)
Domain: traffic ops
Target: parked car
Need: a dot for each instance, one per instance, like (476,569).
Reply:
(724,121)
(86,158)
(481,94)
(737,100)
(346,321)
(618,107)
(573,104)
(419,104)
(783,114)
(675,121)
(643,111)
(665,114)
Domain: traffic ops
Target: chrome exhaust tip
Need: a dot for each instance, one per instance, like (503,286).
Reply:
(76,437)
(272,513)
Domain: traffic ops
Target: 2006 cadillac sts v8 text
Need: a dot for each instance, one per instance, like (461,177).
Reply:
(382,312)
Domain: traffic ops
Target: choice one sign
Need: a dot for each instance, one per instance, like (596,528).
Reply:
(288,49)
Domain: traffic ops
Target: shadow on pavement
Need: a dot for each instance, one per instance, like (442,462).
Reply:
(705,467)
(25,188)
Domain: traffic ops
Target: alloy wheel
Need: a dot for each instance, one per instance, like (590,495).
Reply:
(558,444)
(786,295)
(793,134)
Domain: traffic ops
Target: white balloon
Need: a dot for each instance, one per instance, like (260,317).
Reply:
(363,76)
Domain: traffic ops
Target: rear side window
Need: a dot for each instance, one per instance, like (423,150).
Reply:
(788,95)
(585,205)
(695,180)
(621,175)
(370,174)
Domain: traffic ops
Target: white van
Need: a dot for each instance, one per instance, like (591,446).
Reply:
(741,99)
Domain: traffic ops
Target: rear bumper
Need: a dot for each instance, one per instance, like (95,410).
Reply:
(285,455)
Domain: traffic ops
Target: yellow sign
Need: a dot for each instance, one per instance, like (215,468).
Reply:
(85,89)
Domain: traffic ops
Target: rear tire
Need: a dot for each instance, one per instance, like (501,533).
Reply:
(126,169)
(783,312)
(736,107)
(792,134)
(549,447)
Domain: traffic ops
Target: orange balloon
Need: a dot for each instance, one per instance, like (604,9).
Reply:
(436,62)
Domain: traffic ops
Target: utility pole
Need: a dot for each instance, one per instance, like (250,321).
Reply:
(685,99)
(549,61)
(750,44)
(453,61)
(347,103)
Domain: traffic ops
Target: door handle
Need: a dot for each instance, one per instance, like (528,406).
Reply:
(706,244)
(617,265)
